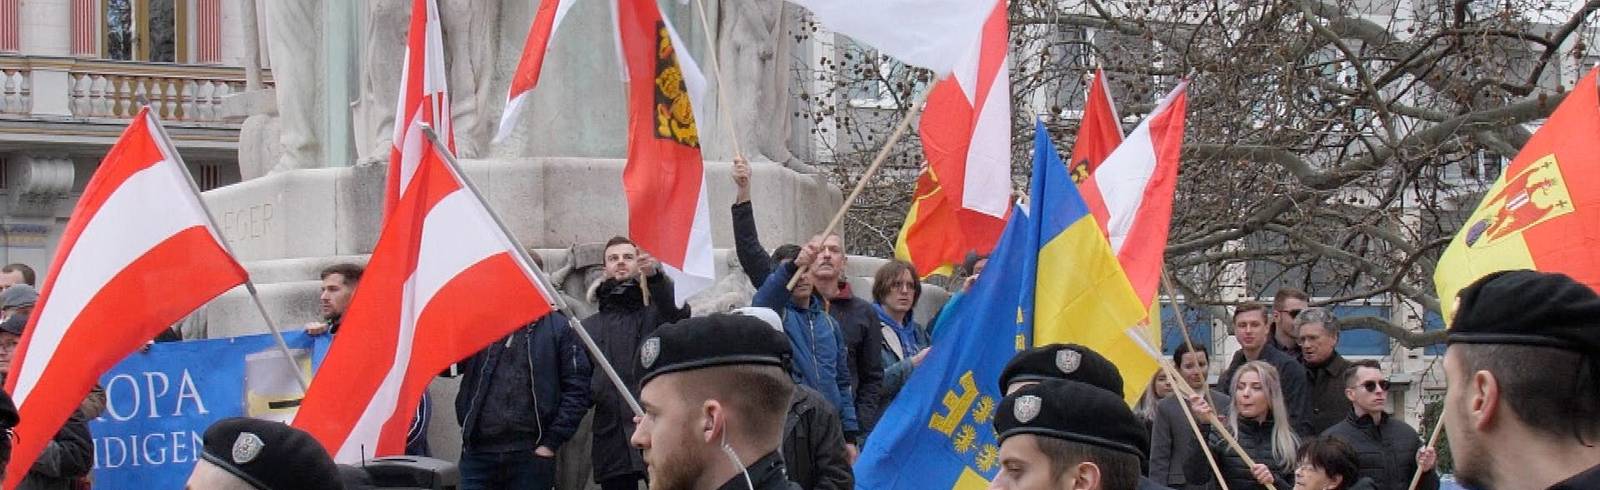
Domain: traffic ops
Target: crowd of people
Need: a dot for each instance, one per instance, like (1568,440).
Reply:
(785,392)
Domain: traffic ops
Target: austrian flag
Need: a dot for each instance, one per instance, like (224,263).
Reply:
(138,254)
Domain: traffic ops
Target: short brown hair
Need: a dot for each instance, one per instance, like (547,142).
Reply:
(759,394)
(1117,469)
(350,272)
(883,280)
(1333,457)
(1355,367)
(1249,307)
(28,275)
(620,240)
(1553,391)
(1285,293)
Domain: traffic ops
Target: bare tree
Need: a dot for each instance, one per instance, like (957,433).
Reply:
(1331,145)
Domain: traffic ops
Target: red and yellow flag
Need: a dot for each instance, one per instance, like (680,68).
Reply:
(1541,213)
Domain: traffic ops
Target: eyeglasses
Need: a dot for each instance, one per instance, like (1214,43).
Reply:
(1372,386)
(906,285)
(1294,313)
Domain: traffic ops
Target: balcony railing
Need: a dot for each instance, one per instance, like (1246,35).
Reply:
(115,89)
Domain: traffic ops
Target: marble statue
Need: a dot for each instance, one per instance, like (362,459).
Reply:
(294,49)
(471,38)
(754,57)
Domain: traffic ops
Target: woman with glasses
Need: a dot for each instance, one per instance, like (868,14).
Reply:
(1328,464)
(1388,450)
(895,291)
(1260,422)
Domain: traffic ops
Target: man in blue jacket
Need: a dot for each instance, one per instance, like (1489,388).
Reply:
(521,398)
(821,360)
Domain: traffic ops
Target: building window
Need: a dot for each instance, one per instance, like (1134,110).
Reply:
(144,30)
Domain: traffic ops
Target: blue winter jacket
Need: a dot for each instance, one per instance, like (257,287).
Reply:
(820,358)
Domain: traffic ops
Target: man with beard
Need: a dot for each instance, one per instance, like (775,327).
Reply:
(1522,403)
(624,320)
(714,394)
(1387,450)
(338,285)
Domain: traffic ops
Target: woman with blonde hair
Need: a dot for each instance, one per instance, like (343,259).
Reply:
(1260,422)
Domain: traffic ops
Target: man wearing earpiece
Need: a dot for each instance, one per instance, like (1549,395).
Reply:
(715,391)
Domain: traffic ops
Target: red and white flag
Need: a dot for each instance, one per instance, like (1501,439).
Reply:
(423,99)
(665,175)
(138,253)
(444,281)
(966,135)
(1131,192)
(925,33)
(545,21)
(1099,132)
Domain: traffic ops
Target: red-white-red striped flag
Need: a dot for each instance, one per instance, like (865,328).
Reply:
(665,176)
(1131,192)
(423,99)
(965,191)
(444,281)
(138,254)
(545,21)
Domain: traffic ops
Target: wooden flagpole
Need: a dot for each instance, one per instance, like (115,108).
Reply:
(1433,442)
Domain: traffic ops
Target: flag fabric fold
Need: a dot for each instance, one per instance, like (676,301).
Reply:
(531,64)
(668,215)
(443,282)
(138,254)
(1099,132)
(964,192)
(918,32)
(423,100)
(1541,212)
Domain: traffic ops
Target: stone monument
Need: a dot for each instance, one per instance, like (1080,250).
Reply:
(556,182)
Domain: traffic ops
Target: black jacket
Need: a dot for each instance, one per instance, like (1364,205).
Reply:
(1329,406)
(527,390)
(66,459)
(813,443)
(747,247)
(1256,439)
(858,321)
(1291,374)
(765,474)
(1588,479)
(618,328)
(1386,451)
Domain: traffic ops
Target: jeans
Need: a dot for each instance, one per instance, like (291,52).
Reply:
(512,470)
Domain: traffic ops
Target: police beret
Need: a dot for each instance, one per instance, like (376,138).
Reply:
(710,341)
(270,455)
(1526,307)
(1072,411)
(1062,361)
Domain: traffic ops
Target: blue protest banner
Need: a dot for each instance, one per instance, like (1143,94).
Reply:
(159,403)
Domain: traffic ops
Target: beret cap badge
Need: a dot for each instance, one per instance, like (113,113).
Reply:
(1068,360)
(650,351)
(1027,408)
(246,447)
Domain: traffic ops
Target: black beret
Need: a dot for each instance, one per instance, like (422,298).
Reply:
(1524,307)
(270,455)
(15,324)
(1062,361)
(710,341)
(1072,411)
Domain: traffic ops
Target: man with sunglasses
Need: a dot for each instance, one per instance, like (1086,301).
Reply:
(1387,450)
(1286,305)
(1325,369)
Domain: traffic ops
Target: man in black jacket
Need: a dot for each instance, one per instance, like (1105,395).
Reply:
(1250,327)
(857,319)
(623,322)
(1387,450)
(1522,405)
(521,398)
(1325,368)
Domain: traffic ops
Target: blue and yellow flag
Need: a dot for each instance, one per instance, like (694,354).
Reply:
(939,432)
(1052,278)
(1080,295)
